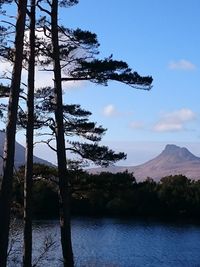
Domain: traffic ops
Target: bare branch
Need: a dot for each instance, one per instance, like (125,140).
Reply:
(47,142)
(48,244)
(7,22)
(42,8)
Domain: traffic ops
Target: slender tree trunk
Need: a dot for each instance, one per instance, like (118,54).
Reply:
(9,148)
(64,190)
(27,254)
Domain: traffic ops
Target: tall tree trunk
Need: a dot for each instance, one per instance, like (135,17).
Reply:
(27,253)
(64,190)
(9,148)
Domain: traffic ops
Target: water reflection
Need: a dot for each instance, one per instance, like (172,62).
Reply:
(122,243)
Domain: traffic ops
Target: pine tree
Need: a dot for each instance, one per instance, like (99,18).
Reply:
(73,53)
(27,254)
(9,148)
(72,56)
(82,137)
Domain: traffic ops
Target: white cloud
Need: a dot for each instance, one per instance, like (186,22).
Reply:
(110,111)
(168,127)
(5,66)
(71,85)
(42,78)
(175,121)
(182,65)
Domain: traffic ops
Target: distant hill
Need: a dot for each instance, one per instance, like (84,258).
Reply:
(19,154)
(172,160)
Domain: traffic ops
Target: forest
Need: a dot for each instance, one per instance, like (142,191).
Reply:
(108,194)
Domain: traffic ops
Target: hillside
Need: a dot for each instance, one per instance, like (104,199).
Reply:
(19,154)
(172,160)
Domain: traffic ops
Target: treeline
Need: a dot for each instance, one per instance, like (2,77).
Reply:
(108,194)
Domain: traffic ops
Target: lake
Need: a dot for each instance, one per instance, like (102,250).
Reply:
(105,242)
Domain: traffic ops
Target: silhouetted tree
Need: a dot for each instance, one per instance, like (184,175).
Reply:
(76,124)
(74,56)
(62,55)
(27,256)
(9,148)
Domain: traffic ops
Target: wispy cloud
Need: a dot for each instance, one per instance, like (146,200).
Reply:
(42,78)
(174,121)
(45,78)
(137,125)
(182,65)
(110,110)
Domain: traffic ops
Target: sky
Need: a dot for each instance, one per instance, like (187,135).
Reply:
(156,38)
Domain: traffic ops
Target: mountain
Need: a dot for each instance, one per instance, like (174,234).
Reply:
(19,154)
(172,160)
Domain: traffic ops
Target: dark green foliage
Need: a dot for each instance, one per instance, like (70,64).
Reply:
(45,197)
(68,3)
(85,37)
(111,194)
(145,198)
(175,194)
(4,90)
(101,71)
(78,52)
(45,200)
(40,172)
(92,193)
(100,155)
(76,124)
(75,45)
(117,206)
(119,194)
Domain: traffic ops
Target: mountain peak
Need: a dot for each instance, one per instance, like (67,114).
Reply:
(171,148)
(173,160)
(178,153)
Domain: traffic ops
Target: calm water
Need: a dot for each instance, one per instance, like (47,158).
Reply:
(121,243)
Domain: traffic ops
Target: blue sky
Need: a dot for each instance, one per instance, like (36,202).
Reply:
(157,38)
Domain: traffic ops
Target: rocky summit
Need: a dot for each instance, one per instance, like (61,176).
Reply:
(172,160)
